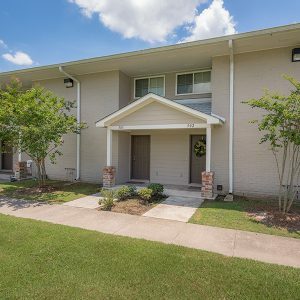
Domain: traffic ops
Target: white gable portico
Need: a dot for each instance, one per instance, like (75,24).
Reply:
(173,129)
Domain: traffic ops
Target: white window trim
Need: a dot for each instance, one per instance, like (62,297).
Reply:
(191,72)
(148,77)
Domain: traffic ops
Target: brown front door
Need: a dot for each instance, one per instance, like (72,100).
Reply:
(140,157)
(6,157)
(197,159)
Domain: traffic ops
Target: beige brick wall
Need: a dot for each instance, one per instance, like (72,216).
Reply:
(220,134)
(254,166)
(99,97)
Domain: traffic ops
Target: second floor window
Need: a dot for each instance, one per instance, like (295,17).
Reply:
(155,85)
(194,83)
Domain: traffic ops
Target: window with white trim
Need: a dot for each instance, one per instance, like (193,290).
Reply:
(194,83)
(144,86)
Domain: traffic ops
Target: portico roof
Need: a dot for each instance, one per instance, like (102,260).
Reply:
(152,98)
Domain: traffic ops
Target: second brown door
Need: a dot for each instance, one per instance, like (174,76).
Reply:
(6,157)
(140,157)
(197,161)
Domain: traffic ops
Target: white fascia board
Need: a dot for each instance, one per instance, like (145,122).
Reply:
(153,127)
(130,108)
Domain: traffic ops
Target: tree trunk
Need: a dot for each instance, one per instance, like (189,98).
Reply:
(43,169)
(39,172)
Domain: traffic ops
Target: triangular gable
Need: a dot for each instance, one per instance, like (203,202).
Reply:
(152,99)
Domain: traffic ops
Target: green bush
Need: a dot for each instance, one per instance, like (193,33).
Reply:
(157,189)
(132,190)
(108,199)
(145,194)
(125,192)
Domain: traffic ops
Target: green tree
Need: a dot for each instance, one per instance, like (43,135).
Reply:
(34,120)
(280,125)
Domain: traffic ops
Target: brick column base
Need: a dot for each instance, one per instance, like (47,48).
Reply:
(21,170)
(207,185)
(109,177)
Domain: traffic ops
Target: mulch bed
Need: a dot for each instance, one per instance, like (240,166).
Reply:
(36,190)
(266,212)
(270,216)
(132,207)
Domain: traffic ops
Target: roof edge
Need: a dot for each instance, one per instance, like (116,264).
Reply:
(160,49)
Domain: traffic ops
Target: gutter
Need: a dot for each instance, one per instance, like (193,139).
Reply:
(231,113)
(78,119)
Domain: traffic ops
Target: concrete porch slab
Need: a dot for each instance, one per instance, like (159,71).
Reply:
(175,208)
(173,190)
(5,177)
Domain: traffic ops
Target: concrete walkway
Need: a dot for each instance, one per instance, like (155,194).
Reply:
(262,247)
(175,208)
(91,202)
(179,206)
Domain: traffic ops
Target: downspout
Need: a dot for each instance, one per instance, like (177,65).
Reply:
(231,114)
(78,120)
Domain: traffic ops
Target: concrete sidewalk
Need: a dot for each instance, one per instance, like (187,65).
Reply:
(261,247)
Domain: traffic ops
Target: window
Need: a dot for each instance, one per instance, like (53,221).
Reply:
(155,85)
(194,83)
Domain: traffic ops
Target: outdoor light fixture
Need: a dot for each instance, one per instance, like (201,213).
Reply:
(296,55)
(68,83)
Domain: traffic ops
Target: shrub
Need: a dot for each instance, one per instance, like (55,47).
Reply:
(145,194)
(157,189)
(125,192)
(108,199)
(132,190)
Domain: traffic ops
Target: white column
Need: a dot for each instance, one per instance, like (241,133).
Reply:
(19,149)
(19,155)
(208,148)
(109,148)
(231,115)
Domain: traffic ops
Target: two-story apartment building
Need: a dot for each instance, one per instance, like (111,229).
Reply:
(167,114)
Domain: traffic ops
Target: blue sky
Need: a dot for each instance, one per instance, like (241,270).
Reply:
(35,32)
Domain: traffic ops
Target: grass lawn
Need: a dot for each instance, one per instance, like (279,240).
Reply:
(56,191)
(235,215)
(39,260)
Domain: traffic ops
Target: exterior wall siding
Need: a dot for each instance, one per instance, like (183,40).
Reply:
(99,97)
(169,158)
(254,165)
(68,159)
(220,134)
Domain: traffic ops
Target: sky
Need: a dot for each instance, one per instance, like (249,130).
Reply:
(36,33)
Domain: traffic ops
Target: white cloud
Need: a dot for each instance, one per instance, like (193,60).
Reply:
(19,58)
(2,44)
(149,20)
(211,22)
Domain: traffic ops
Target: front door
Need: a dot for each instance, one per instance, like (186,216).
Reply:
(140,157)
(6,157)
(197,158)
